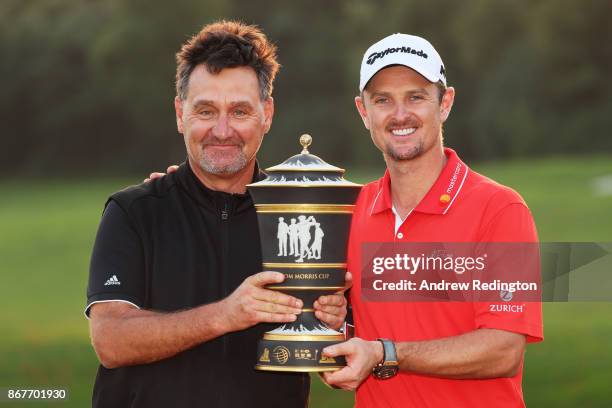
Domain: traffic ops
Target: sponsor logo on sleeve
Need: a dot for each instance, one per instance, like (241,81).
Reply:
(112,281)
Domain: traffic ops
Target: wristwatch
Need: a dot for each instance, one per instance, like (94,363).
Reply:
(389,366)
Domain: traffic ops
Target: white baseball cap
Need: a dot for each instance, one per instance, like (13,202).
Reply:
(402,49)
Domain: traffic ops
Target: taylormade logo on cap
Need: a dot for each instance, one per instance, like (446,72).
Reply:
(372,58)
(402,49)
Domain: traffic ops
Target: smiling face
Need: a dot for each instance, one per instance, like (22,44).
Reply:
(223,119)
(403,112)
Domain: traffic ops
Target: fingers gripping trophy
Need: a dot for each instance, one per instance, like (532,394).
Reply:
(304,210)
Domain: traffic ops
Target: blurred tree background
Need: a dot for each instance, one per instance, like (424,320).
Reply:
(87,85)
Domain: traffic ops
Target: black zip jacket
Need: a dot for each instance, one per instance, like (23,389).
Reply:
(173,244)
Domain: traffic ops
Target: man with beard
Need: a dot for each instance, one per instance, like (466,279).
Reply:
(175,298)
(429,354)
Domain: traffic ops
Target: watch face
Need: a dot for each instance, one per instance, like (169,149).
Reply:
(384,372)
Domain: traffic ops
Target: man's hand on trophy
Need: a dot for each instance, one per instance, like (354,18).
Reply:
(331,309)
(361,357)
(251,303)
(156,175)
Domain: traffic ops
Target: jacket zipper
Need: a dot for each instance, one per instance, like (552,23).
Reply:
(225,211)
(225,231)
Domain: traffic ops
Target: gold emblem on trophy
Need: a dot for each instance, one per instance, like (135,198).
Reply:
(327,360)
(265,356)
(281,354)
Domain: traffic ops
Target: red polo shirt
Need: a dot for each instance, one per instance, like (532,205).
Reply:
(461,206)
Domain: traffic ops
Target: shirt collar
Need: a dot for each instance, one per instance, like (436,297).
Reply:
(440,196)
(211,198)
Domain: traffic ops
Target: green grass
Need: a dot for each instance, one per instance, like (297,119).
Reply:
(47,231)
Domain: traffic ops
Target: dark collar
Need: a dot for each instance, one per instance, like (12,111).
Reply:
(212,199)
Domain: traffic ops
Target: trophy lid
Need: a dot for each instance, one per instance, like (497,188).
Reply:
(305,170)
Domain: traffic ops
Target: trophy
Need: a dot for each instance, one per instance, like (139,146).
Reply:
(304,209)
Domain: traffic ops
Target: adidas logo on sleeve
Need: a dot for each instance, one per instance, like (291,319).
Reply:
(112,281)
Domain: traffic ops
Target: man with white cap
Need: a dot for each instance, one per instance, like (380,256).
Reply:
(435,354)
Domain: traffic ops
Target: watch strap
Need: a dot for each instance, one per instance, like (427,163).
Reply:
(389,353)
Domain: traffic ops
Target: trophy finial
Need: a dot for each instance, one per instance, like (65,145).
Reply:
(305,141)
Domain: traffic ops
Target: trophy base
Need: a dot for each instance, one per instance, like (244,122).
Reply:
(298,352)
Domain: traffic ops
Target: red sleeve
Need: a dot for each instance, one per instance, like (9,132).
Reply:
(511,222)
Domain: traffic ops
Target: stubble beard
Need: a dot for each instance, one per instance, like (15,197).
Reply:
(413,153)
(393,152)
(208,162)
(224,170)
